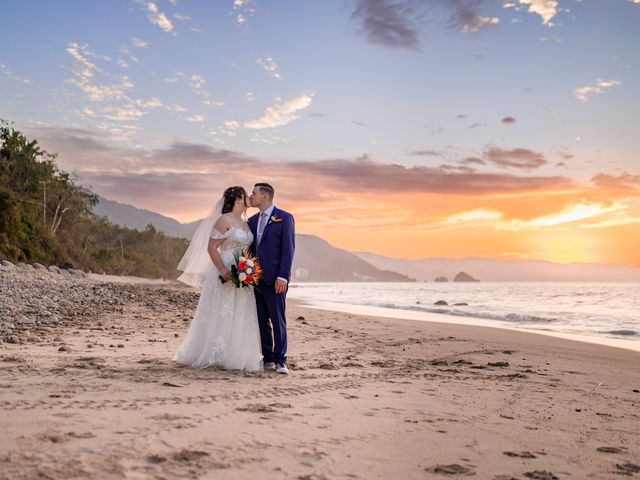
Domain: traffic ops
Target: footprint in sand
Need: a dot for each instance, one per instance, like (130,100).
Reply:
(453,469)
(188,455)
(540,475)
(520,454)
(256,408)
(627,468)
(609,450)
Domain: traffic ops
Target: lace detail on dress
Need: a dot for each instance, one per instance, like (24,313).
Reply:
(224,330)
(236,240)
(216,235)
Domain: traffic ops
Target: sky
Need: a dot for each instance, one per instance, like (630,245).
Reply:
(407,128)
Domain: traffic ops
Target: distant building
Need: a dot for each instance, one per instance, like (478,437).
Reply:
(301,274)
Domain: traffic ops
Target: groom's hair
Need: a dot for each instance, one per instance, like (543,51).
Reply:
(267,189)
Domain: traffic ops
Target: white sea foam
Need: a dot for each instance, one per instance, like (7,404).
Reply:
(609,310)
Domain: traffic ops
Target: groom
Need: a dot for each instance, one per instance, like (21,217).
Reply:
(274,244)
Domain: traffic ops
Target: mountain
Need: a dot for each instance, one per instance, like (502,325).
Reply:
(318,261)
(137,218)
(492,270)
(315,259)
(464,277)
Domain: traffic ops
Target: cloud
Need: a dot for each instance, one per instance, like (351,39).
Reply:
(124,50)
(90,152)
(85,73)
(425,153)
(465,15)
(118,131)
(387,22)
(364,174)
(616,220)
(476,217)
(573,213)
(547,9)
(176,108)
(508,120)
(181,18)
(4,70)
(268,139)
(139,43)
(83,151)
(196,83)
(249,97)
(281,113)
(176,78)
(110,95)
(625,180)
(153,102)
(269,64)
(582,93)
(472,160)
(563,153)
(480,22)
(156,17)
(397,23)
(196,118)
(360,124)
(122,113)
(242,10)
(515,158)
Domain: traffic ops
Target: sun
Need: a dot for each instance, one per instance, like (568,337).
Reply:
(567,247)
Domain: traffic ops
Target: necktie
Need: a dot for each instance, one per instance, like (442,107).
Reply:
(261,223)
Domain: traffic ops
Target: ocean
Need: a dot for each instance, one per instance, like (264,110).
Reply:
(598,310)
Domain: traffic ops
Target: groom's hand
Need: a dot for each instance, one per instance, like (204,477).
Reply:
(281,286)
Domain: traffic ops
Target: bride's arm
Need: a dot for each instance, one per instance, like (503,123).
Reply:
(222,225)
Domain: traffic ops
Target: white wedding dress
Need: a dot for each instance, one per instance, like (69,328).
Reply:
(224,331)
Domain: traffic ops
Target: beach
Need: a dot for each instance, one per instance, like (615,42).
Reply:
(88,390)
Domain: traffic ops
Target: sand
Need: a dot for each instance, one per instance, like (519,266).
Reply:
(367,398)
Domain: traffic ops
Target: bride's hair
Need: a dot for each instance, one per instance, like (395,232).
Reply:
(230,195)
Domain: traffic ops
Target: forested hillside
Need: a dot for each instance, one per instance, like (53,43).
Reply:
(46,216)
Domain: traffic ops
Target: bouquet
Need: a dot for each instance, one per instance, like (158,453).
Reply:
(246,271)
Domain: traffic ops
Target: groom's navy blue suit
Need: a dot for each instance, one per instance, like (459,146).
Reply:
(275,255)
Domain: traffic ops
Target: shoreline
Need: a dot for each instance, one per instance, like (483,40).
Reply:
(403,314)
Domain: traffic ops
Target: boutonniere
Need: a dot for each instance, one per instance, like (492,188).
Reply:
(274,219)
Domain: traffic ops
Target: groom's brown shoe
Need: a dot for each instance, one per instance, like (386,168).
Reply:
(269,366)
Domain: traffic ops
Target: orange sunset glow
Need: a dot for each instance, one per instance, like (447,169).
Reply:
(530,226)
(403,128)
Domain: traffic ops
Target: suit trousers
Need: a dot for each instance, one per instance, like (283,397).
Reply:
(271,308)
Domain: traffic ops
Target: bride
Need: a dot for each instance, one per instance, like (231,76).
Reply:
(224,331)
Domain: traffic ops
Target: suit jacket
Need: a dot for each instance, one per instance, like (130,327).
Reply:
(277,247)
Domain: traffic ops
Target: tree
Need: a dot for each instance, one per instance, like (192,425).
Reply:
(47,216)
